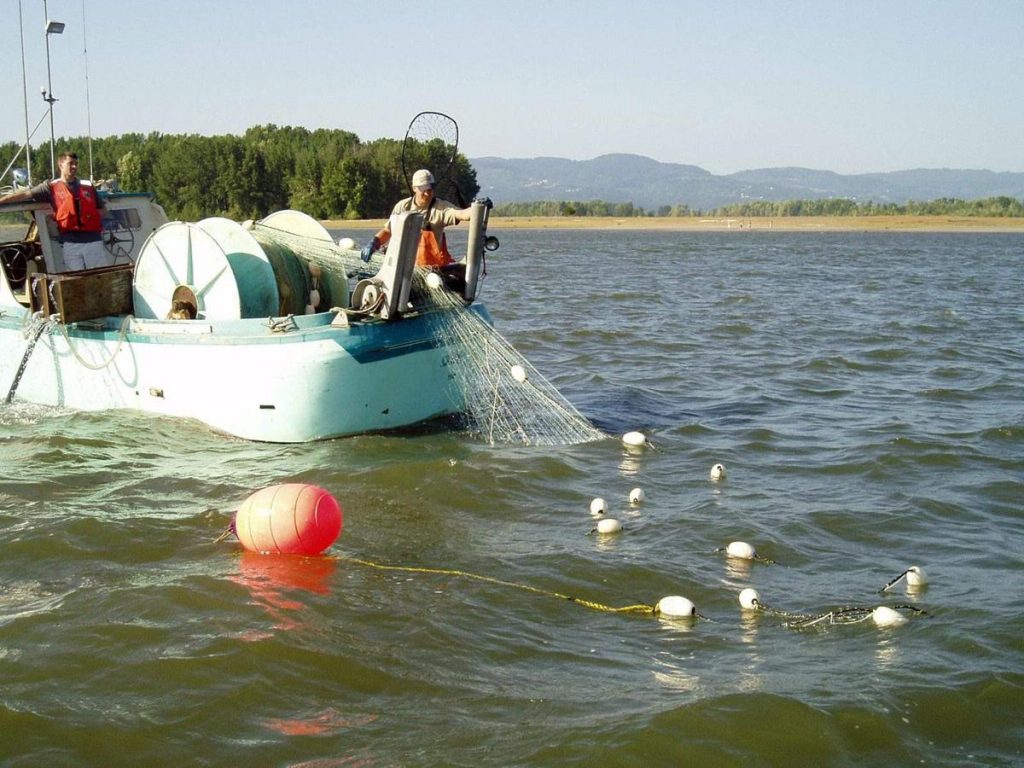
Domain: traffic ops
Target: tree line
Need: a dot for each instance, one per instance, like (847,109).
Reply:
(1001,206)
(325,173)
(330,173)
(569,208)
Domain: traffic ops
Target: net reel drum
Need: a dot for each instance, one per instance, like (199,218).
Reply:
(225,271)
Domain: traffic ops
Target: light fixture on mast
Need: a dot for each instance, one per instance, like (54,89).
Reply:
(52,28)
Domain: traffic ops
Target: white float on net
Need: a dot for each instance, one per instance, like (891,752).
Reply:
(676,607)
(749,599)
(634,441)
(884,616)
(916,576)
(741,550)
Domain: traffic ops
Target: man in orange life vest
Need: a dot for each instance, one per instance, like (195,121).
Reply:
(78,210)
(438,214)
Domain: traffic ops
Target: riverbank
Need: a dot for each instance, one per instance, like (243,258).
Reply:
(745,224)
(701,224)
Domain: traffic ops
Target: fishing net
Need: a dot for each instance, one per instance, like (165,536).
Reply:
(506,399)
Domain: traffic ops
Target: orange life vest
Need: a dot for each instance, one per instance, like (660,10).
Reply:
(430,253)
(76,213)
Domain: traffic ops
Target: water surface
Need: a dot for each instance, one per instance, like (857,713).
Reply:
(863,390)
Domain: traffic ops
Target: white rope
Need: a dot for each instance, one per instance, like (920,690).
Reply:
(122,334)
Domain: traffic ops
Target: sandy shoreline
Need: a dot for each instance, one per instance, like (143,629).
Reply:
(711,224)
(666,224)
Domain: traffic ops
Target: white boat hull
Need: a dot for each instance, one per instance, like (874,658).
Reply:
(309,382)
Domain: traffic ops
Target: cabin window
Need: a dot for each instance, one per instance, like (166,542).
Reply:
(127,218)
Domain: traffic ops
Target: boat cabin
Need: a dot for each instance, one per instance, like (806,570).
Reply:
(128,219)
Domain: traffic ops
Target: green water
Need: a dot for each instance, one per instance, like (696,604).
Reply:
(864,391)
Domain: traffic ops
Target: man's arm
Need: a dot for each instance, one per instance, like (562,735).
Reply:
(17,197)
(383,235)
(450,215)
(39,193)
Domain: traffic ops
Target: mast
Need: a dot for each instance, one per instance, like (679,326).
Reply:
(24,95)
(52,28)
(88,106)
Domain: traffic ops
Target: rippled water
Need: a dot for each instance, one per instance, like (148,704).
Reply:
(864,391)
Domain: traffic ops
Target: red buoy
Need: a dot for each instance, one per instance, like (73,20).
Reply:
(290,519)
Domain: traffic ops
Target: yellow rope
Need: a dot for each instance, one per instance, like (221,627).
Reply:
(638,608)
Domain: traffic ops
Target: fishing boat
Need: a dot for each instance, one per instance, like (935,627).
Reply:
(267,330)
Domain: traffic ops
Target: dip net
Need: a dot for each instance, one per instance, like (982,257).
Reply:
(506,399)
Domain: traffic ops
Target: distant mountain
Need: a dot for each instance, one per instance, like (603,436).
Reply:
(623,178)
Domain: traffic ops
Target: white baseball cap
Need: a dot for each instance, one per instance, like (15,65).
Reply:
(423,178)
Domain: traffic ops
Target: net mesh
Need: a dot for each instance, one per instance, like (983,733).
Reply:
(506,399)
(427,126)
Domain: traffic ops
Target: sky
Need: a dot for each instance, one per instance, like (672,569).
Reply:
(852,87)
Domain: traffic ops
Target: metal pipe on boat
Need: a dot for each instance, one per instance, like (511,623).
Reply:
(475,248)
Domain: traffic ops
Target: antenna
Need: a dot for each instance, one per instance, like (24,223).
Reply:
(24,95)
(88,106)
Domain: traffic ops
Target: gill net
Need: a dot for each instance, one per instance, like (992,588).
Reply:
(506,399)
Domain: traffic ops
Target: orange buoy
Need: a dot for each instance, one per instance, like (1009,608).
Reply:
(290,519)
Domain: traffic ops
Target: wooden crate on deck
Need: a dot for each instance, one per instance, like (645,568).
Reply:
(84,295)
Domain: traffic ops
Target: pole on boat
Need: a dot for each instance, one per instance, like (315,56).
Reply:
(52,28)
(24,95)
(88,106)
